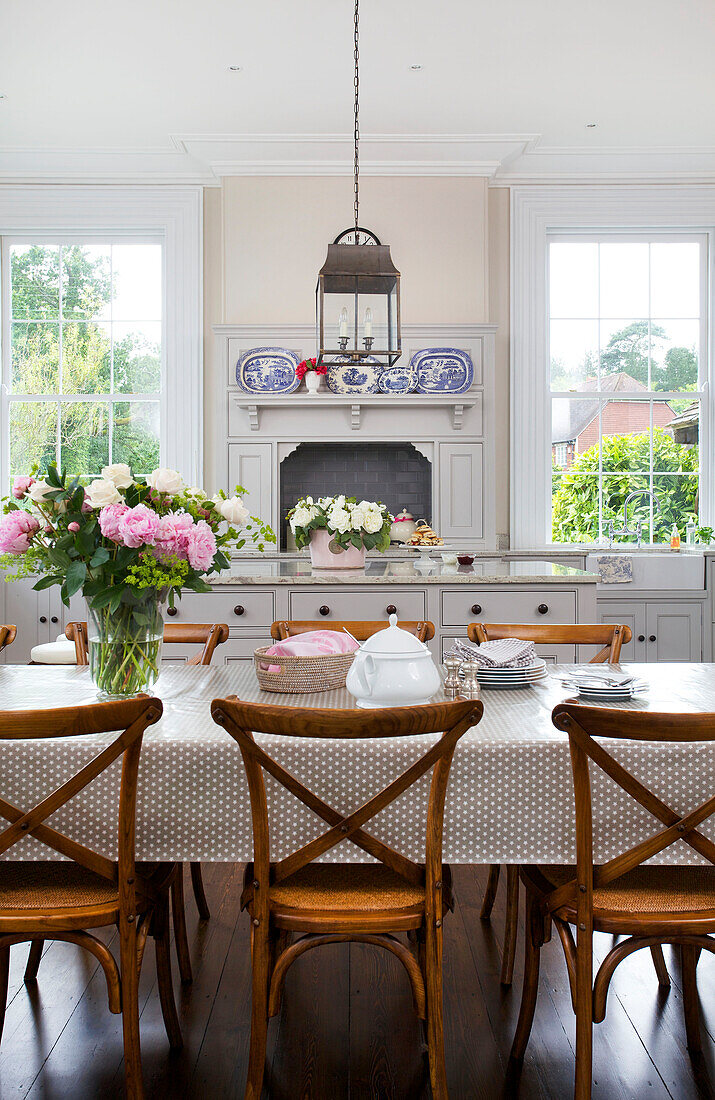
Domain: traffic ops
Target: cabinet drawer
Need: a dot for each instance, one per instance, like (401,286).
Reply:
(241,610)
(460,608)
(361,605)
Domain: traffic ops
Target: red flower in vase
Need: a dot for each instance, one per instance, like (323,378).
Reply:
(310,364)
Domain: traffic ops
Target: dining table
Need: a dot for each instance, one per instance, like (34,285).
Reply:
(510,795)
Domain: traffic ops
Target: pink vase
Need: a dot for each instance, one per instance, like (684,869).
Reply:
(323,558)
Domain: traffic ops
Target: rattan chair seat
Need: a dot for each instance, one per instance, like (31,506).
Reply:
(354,887)
(647,889)
(59,884)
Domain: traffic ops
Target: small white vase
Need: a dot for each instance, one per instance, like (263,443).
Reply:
(312,381)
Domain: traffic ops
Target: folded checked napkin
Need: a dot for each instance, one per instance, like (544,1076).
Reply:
(503,653)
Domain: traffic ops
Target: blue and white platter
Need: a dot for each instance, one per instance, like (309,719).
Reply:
(268,370)
(442,370)
(346,377)
(398,380)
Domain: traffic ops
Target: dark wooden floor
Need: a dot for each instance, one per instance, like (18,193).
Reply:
(347,1028)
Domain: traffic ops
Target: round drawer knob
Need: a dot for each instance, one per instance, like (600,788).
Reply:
(239,609)
(324,609)
(641,637)
(542,608)
(390,609)
(651,638)
(476,609)
(172,611)
(54,619)
(43,618)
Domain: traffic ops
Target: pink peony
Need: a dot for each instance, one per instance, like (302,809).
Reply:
(109,519)
(16,531)
(201,546)
(73,527)
(21,484)
(173,534)
(138,526)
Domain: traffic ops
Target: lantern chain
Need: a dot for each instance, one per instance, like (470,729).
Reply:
(356,132)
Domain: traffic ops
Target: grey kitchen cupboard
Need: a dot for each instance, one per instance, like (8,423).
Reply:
(663,630)
(251,465)
(38,616)
(461,474)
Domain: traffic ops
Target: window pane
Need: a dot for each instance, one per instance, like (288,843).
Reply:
(574,354)
(574,505)
(136,435)
(573,279)
(675,279)
(137,358)
(33,435)
(137,282)
(574,424)
(625,433)
(35,281)
(85,358)
(674,355)
(86,281)
(624,279)
(615,490)
(35,357)
(624,351)
(84,437)
(677,495)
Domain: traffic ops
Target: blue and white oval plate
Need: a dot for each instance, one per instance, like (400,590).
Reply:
(347,377)
(268,370)
(442,370)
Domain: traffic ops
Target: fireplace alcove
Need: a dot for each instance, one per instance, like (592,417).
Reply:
(395,473)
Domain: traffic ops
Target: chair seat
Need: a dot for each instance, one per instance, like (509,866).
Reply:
(648,891)
(354,887)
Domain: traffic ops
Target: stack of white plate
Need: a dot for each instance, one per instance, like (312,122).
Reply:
(512,677)
(607,687)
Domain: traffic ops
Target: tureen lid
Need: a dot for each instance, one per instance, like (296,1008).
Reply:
(393,639)
(403,515)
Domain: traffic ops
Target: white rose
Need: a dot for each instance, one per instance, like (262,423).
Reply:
(166,481)
(195,491)
(339,519)
(302,516)
(102,492)
(119,474)
(357,517)
(233,510)
(38,491)
(373,521)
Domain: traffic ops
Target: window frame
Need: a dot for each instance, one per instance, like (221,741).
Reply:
(171,216)
(540,215)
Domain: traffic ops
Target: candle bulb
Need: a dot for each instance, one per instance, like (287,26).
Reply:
(343,320)
(368,323)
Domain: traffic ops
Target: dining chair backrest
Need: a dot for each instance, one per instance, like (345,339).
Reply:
(584,724)
(607,635)
(361,630)
(128,719)
(7,635)
(210,634)
(451,719)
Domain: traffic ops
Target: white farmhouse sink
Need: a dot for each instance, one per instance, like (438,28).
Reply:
(660,571)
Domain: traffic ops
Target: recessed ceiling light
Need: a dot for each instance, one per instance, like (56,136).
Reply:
(234,68)
(416,68)
(591,125)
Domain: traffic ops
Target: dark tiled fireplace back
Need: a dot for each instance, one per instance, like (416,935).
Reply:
(395,473)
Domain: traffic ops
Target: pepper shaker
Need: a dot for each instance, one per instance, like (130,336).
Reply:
(470,684)
(452,682)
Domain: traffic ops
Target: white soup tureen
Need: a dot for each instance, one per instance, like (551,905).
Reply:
(392,669)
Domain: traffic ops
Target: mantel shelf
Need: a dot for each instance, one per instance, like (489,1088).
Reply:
(254,403)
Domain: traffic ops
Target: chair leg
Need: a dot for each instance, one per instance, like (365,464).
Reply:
(584,1016)
(491,891)
(134,1084)
(198,884)
(530,989)
(163,974)
(259,1012)
(4,975)
(690,956)
(660,968)
(33,960)
(511,924)
(435,1026)
(181,942)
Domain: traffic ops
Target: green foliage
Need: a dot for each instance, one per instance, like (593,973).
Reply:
(627,352)
(625,462)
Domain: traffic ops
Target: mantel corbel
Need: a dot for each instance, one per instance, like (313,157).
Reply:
(355,417)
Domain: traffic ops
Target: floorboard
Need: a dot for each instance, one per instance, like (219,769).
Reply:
(347,1030)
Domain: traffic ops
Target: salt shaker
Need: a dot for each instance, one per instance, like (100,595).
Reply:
(452,682)
(470,684)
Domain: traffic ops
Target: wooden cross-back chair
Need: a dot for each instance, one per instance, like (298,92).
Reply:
(211,635)
(360,630)
(329,903)
(651,905)
(7,635)
(62,900)
(611,637)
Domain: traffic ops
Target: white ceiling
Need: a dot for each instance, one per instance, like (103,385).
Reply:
(143,87)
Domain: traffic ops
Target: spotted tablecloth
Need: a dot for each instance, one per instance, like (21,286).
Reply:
(510,796)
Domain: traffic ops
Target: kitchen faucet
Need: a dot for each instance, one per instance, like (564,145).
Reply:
(639,526)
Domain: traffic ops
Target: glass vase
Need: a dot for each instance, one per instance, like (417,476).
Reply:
(125,646)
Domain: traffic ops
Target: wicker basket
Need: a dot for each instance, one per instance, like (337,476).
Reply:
(301,675)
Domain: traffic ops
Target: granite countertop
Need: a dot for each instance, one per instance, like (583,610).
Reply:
(285,570)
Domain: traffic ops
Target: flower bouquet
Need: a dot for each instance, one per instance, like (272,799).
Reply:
(310,372)
(129,545)
(340,529)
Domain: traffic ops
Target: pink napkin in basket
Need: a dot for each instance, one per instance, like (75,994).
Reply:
(314,643)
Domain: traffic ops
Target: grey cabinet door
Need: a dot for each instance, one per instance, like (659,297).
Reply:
(249,465)
(32,613)
(630,613)
(674,631)
(461,491)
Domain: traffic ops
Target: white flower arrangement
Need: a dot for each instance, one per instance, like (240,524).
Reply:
(364,523)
